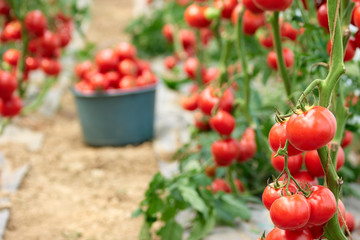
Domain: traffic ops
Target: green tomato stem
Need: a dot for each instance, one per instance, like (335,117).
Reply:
(241,51)
(280,58)
(332,229)
(224,58)
(231,180)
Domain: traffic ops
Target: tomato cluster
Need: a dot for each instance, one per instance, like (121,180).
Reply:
(302,216)
(117,68)
(306,132)
(44,46)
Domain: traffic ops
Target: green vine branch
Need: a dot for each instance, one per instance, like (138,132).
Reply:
(280,58)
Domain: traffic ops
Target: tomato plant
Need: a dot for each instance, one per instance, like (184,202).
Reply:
(231,93)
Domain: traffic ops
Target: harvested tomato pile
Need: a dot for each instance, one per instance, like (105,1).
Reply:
(117,68)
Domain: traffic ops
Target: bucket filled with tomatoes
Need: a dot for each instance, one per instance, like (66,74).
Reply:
(115,97)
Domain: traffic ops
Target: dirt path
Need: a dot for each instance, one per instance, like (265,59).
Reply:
(75,192)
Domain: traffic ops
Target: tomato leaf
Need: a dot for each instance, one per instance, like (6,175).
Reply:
(171,231)
(136,213)
(236,207)
(202,227)
(191,196)
(145,232)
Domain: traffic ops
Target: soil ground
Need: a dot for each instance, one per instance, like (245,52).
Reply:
(72,191)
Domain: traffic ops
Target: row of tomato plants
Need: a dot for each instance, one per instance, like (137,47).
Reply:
(33,38)
(228,161)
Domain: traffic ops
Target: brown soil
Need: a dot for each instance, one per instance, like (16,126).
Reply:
(73,191)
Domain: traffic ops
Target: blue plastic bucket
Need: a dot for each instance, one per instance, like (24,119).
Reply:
(117,118)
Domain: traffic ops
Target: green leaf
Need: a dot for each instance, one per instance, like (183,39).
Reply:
(223,215)
(136,213)
(145,232)
(156,205)
(171,231)
(191,196)
(236,207)
(202,226)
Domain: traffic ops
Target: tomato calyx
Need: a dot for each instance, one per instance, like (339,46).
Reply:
(305,189)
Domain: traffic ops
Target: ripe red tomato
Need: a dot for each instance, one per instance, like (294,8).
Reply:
(125,50)
(347,139)
(206,35)
(201,121)
(195,16)
(294,163)
(190,67)
(304,177)
(356,16)
(277,138)
(267,41)
(11,56)
(98,81)
(35,22)
(31,63)
(106,60)
(317,231)
(209,97)
(84,87)
(271,193)
(278,234)
(313,163)
(4,8)
(312,129)
(225,151)
(350,221)
(11,107)
(357,39)
(273,5)
(82,68)
(249,4)
(341,212)
(322,203)
(167,32)
(349,51)
(146,78)
(170,62)
(288,31)
(51,67)
(210,74)
(49,41)
(219,185)
(288,58)
(112,78)
(127,82)
(128,67)
(322,16)
(64,34)
(290,212)
(227,6)
(188,38)
(251,21)
(190,103)
(239,185)
(223,123)
(8,84)
(12,30)
(247,146)
(34,45)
